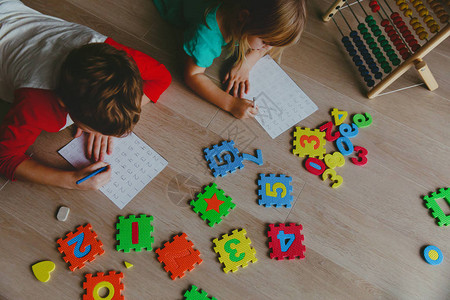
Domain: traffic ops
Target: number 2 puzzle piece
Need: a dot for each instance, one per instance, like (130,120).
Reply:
(307,142)
(286,241)
(433,206)
(112,282)
(223,158)
(179,256)
(80,246)
(213,204)
(275,190)
(234,250)
(194,294)
(134,233)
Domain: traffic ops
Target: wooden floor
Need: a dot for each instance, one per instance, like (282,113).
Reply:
(363,240)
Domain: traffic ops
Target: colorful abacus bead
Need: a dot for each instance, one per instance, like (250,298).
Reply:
(358,62)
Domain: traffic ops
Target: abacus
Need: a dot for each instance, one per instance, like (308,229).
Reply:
(385,57)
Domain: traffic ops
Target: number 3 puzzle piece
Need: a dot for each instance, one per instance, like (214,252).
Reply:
(330,173)
(307,142)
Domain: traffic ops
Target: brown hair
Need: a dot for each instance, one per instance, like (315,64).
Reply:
(278,22)
(101,87)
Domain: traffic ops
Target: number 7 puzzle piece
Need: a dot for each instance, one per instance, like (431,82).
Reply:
(179,256)
(286,241)
(307,142)
(433,206)
(80,246)
(234,250)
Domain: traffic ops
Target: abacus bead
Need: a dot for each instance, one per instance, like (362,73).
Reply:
(375,8)
(381,38)
(367,78)
(396,61)
(367,36)
(368,18)
(351,52)
(371,22)
(377,32)
(389,28)
(423,13)
(431,23)
(369,40)
(415,47)
(420,30)
(427,18)
(345,39)
(397,20)
(382,60)
(390,52)
(400,2)
(434,28)
(408,12)
(361,26)
(412,42)
(363,70)
(359,62)
(400,46)
(370,83)
(373,3)
(400,24)
(387,47)
(379,56)
(387,70)
(378,75)
(406,55)
(416,25)
(444,18)
(384,23)
(376,51)
(403,6)
(384,43)
(423,35)
(353,33)
(395,14)
(359,44)
(406,33)
(403,51)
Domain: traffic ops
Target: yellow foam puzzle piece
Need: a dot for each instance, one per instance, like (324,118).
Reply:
(42,270)
(127,264)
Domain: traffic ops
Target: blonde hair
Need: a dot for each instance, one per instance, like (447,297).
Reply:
(279,23)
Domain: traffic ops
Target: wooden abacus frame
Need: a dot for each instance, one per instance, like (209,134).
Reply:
(415,59)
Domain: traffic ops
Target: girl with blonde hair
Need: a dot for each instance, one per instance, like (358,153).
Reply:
(251,28)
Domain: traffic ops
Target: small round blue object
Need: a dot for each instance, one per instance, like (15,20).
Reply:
(433,255)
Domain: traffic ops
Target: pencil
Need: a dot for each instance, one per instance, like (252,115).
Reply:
(92,174)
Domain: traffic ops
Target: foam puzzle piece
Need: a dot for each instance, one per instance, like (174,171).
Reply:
(128,265)
(234,250)
(433,206)
(257,159)
(287,241)
(339,116)
(361,152)
(328,127)
(362,121)
(112,282)
(63,213)
(433,255)
(135,232)
(42,270)
(80,246)
(194,294)
(308,142)
(212,204)
(179,256)
(344,145)
(223,158)
(275,190)
(349,131)
(334,160)
(315,166)
(331,174)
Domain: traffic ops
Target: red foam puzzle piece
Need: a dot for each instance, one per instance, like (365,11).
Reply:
(296,249)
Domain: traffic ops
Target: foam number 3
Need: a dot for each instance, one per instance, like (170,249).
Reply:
(286,240)
(362,121)
(233,252)
(334,160)
(349,130)
(272,191)
(339,116)
(361,153)
(328,127)
(310,140)
(330,173)
(78,241)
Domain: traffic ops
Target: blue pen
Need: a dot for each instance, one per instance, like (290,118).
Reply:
(92,174)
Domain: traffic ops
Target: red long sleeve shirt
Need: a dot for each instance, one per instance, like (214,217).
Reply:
(37,110)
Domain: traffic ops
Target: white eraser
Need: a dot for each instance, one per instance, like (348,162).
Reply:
(63,213)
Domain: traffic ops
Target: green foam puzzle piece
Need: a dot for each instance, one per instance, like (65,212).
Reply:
(193,294)
(433,206)
(144,230)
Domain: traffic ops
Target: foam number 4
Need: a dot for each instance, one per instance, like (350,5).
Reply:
(339,116)
(349,130)
(233,252)
(272,191)
(334,160)
(361,153)
(328,127)
(362,121)
(330,173)
(286,240)
(78,241)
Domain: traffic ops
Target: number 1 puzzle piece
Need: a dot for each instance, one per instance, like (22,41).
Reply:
(194,294)
(223,158)
(307,142)
(433,206)
(286,241)
(80,246)
(275,190)
(111,282)
(213,204)
(134,233)
(234,250)
(179,256)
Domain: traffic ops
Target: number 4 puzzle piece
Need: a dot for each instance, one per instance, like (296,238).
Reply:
(433,206)
(286,241)
(80,246)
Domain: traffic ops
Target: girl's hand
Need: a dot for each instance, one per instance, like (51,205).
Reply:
(243,108)
(237,79)
(95,182)
(98,145)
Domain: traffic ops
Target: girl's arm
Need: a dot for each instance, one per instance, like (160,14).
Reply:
(197,80)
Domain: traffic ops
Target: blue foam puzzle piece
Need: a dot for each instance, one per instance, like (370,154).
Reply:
(278,200)
(229,161)
(427,257)
(258,159)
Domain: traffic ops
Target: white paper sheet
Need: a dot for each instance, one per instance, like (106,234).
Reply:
(134,164)
(281,103)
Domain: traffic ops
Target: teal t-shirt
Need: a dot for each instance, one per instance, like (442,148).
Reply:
(201,43)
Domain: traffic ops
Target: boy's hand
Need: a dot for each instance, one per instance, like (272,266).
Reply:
(98,145)
(237,78)
(243,108)
(95,182)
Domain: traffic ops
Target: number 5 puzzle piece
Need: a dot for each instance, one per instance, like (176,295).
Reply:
(307,142)
(286,241)
(275,190)
(223,158)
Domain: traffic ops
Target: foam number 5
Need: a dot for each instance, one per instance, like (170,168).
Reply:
(349,130)
(333,176)
(334,160)
(232,252)
(362,121)
(272,192)
(309,139)
(328,127)
(78,241)
(361,153)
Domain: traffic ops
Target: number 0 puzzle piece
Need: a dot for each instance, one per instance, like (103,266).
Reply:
(307,142)
(112,282)
(223,158)
(234,250)
(275,190)
(80,246)
(194,294)
(433,206)
(134,233)
(286,241)
(179,256)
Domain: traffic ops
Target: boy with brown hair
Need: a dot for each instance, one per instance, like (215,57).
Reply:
(58,73)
